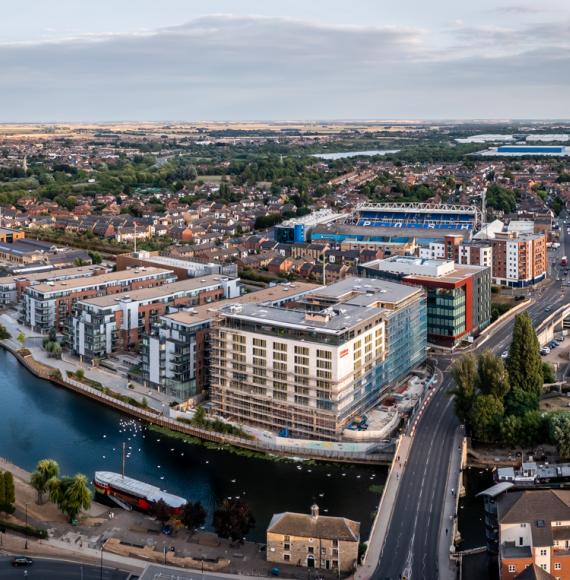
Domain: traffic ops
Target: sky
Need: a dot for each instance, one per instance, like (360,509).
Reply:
(198,60)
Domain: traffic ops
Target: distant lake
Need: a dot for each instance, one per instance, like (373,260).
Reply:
(343,154)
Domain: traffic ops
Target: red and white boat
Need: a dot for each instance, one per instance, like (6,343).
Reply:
(131,493)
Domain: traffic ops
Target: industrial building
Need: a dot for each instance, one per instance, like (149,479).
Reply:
(308,368)
(183,269)
(458,296)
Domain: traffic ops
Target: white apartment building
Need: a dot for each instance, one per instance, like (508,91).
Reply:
(308,369)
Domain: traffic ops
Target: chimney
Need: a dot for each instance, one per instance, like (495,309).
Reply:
(314,511)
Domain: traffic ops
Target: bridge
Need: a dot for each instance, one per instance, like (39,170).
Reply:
(557,321)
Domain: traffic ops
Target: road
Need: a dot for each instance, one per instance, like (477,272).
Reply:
(46,569)
(411,545)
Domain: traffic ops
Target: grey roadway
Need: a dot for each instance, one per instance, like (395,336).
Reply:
(411,544)
(47,569)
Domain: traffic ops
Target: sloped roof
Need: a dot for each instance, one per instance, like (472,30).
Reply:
(306,526)
(534,572)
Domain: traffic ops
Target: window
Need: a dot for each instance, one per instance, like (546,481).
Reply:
(286,557)
(557,566)
(311,549)
(512,568)
(259,342)
(543,552)
(302,350)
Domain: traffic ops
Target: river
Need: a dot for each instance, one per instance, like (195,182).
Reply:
(348,154)
(42,420)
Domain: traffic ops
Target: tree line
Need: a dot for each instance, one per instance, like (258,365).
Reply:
(499,401)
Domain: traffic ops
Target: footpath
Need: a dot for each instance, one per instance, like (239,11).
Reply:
(385,510)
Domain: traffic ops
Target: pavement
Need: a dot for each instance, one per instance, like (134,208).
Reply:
(413,545)
(114,380)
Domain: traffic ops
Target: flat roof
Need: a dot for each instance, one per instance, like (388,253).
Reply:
(52,273)
(100,279)
(269,295)
(366,291)
(341,317)
(154,292)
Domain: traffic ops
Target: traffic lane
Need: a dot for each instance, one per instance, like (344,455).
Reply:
(441,421)
(57,570)
(418,498)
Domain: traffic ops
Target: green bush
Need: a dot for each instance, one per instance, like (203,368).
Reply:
(27,530)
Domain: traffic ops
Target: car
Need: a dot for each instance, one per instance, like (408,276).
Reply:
(548,309)
(544,350)
(505,354)
(554,342)
(22,561)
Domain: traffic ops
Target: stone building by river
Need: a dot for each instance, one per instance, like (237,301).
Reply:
(313,541)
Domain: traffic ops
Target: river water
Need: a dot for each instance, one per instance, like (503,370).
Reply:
(348,154)
(40,420)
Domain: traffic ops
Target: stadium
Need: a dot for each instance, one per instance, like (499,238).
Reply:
(408,220)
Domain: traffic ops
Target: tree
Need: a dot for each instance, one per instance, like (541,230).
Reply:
(21,338)
(10,492)
(70,494)
(95,257)
(199,416)
(464,373)
(193,515)
(233,519)
(492,376)
(7,493)
(548,375)
(510,430)
(161,511)
(486,417)
(46,470)
(2,492)
(4,334)
(524,364)
(559,426)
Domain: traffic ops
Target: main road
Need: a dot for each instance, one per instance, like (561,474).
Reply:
(411,545)
(47,568)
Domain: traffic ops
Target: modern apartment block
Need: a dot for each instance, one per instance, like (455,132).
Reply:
(310,367)
(519,260)
(12,287)
(48,305)
(455,248)
(102,325)
(534,531)
(175,355)
(458,296)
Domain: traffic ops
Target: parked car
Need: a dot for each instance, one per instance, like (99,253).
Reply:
(505,354)
(548,309)
(22,561)
(544,350)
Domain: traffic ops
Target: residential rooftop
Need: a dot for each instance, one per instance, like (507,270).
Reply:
(145,294)
(51,274)
(62,285)
(341,306)
(275,294)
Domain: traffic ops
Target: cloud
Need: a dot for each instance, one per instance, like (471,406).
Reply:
(228,67)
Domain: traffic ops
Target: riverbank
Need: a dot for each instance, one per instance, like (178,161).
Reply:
(312,449)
